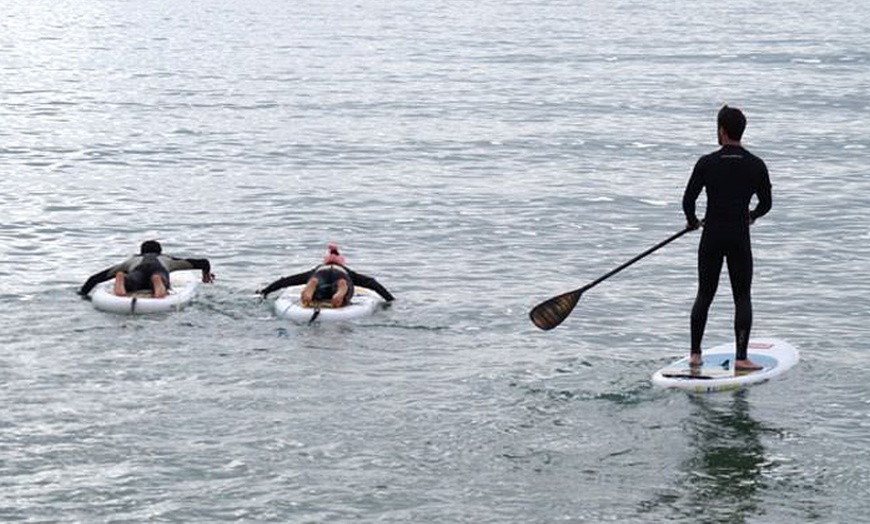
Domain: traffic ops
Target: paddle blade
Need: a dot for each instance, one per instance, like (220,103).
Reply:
(551,313)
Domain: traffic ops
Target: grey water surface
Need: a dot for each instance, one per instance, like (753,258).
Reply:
(477,158)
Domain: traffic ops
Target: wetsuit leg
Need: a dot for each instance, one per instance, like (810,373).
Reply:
(327,284)
(140,278)
(136,280)
(326,279)
(739,259)
(710,258)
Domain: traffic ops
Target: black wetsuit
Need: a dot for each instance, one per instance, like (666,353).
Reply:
(328,276)
(731,176)
(139,269)
(139,279)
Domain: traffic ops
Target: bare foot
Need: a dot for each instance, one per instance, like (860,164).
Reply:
(119,288)
(338,297)
(746,365)
(695,360)
(308,293)
(159,286)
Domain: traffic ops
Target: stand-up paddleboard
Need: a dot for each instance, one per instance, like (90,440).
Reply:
(181,293)
(717,372)
(364,303)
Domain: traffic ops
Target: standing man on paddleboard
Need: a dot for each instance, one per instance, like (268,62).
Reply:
(147,271)
(731,176)
(331,281)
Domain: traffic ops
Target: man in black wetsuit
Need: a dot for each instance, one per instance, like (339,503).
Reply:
(332,281)
(731,176)
(147,271)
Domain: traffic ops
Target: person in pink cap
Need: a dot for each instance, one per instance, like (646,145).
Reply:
(330,281)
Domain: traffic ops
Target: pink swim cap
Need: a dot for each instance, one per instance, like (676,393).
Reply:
(333,256)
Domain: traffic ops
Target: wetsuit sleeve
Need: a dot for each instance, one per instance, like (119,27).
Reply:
(202,264)
(369,282)
(96,278)
(765,197)
(690,195)
(292,280)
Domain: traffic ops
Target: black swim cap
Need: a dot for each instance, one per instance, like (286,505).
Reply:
(732,121)
(150,246)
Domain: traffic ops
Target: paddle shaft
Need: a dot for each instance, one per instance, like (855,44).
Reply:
(552,312)
(656,247)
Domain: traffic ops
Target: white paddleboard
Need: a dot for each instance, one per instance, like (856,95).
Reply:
(363,304)
(184,284)
(717,371)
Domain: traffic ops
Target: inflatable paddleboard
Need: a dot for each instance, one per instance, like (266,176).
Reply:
(363,304)
(184,284)
(717,371)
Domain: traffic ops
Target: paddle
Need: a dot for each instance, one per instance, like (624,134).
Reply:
(552,312)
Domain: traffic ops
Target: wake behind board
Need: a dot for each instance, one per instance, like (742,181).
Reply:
(717,372)
(181,293)
(289,306)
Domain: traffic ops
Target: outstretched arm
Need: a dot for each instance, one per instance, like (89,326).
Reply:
(201,264)
(281,283)
(366,281)
(96,278)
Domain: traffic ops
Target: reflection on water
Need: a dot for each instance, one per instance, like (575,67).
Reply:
(721,479)
(724,474)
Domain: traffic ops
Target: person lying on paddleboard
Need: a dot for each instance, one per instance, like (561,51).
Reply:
(147,271)
(332,281)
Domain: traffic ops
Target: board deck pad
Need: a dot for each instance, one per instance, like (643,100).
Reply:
(718,366)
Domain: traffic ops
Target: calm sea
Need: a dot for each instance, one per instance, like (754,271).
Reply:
(477,158)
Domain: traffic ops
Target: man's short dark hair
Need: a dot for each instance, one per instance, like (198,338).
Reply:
(150,246)
(732,121)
